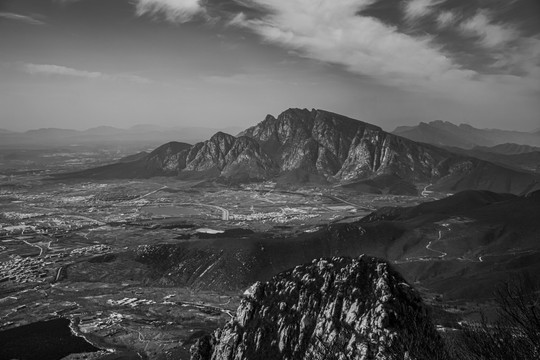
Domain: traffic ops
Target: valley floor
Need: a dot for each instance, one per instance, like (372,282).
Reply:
(69,249)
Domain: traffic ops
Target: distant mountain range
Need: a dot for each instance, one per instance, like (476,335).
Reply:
(519,157)
(508,149)
(143,134)
(321,147)
(444,133)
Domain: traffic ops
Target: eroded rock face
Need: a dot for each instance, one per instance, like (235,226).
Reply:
(318,146)
(231,157)
(334,308)
(167,158)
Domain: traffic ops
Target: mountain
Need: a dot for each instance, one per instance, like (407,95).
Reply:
(101,131)
(436,134)
(460,246)
(480,239)
(514,156)
(235,158)
(322,147)
(444,133)
(508,149)
(339,308)
(50,132)
(134,157)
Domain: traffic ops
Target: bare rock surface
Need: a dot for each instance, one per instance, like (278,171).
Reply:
(333,308)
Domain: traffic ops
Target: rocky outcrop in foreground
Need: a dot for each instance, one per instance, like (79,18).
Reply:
(334,308)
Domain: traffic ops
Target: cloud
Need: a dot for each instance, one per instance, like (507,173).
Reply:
(522,59)
(22,18)
(446,18)
(45,69)
(415,9)
(489,33)
(333,32)
(60,70)
(173,10)
(336,32)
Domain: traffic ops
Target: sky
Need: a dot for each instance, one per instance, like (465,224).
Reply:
(219,63)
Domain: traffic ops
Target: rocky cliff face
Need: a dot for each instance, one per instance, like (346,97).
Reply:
(334,308)
(229,157)
(341,148)
(167,158)
(315,141)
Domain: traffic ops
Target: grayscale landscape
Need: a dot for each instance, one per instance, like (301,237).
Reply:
(204,180)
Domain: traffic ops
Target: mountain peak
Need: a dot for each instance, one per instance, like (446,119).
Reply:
(221,134)
(351,307)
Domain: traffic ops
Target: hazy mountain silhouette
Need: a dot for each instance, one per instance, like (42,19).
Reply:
(444,133)
(109,135)
(518,157)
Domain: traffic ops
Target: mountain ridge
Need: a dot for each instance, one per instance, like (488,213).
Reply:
(302,145)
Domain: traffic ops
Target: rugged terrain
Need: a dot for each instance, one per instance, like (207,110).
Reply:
(148,265)
(339,308)
(514,156)
(476,235)
(302,146)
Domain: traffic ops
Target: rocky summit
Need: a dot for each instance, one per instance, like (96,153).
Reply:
(333,308)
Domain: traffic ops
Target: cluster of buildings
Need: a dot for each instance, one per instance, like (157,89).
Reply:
(34,269)
(52,226)
(99,321)
(133,302)
(14,230)
(23,270)
(90,250)
(12,215)
(282,217)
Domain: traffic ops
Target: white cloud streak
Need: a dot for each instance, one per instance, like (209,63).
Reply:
(446,18)
(180,11)
(489,33)
(415,9)
(46,69)
(22,18)
(333,32)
